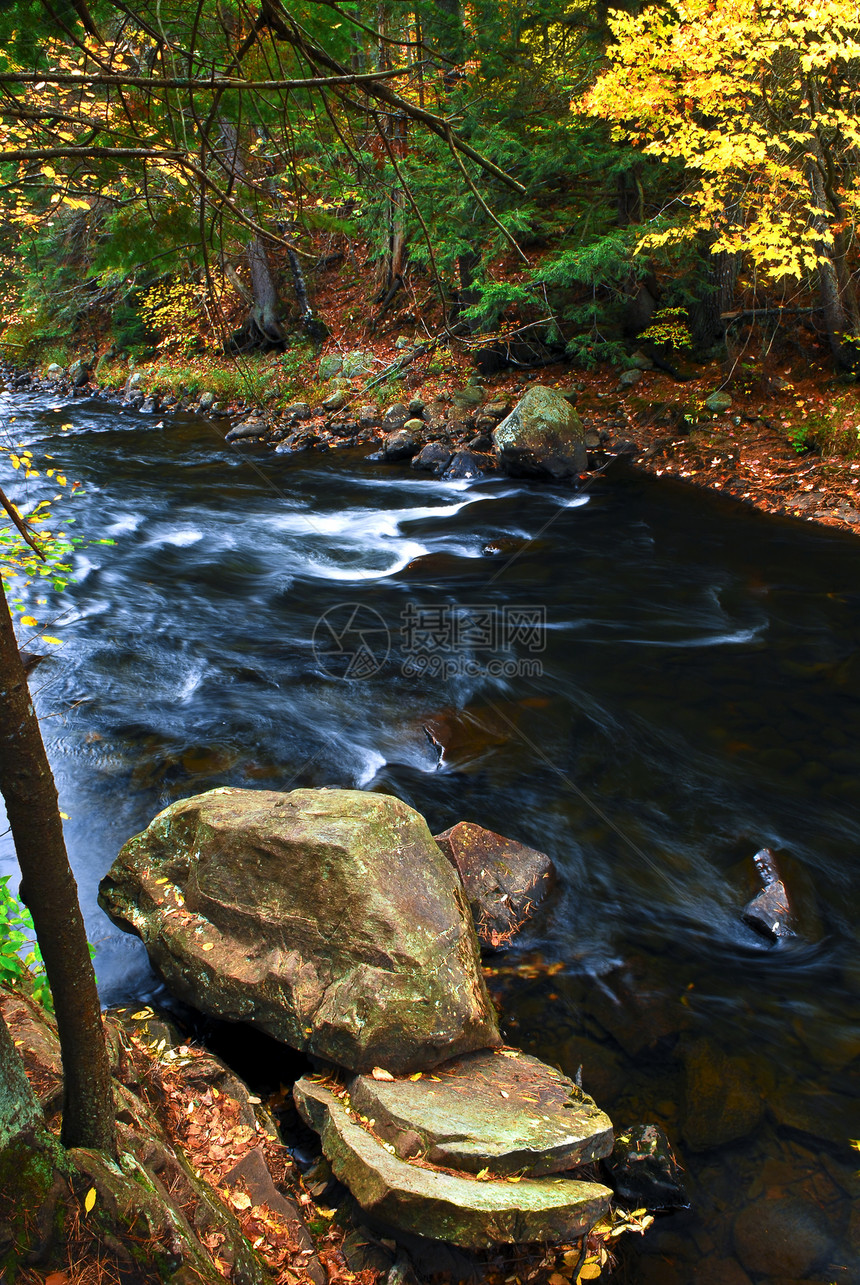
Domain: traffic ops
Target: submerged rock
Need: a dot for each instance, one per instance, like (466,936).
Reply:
(644,1171)
(465,1210)
(542,437)
(504,880)
(328,918)
(500,1110)
(723,1102)
(782,1238)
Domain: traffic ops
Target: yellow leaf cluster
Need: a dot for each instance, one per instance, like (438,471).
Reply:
(760,104)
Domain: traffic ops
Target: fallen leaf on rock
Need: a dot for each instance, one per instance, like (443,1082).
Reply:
(240,1200)
(379,1073)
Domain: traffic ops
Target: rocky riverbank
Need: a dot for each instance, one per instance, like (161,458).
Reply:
(785,446)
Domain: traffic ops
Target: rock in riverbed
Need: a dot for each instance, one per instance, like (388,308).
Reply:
(542,437)
(464,1209)
(504,880)
(498,1109)
(328,918)
(769,913)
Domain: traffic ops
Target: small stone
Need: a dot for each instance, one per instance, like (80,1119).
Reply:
(629,378)
(414,425)
(718,402)
(330,365)
(403,342)
(79,373)
(432,458)
(483,443)
(368,414)
(150,405)
(467,464)
(395,416)
(416,406)
(133,382)
(644,1171)
(297,410)
(207,400)
(399,445)
(496,410)
(770,912)
(357,364)
(640,360)
(334,401)
(253,427)
(504,879)
(294,443)
(467,398)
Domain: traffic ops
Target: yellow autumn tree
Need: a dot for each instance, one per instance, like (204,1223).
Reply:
(759,103)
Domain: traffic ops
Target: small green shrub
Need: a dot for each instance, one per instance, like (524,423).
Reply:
(20,958)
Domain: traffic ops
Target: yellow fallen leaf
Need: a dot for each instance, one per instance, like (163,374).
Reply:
(207,945)
(590,1270)
(65,816)
(515,1177)
(90,1199)
(29,621)
(417,1075)
(240,1200)
(379,1073)
(482,1173)
(56,642)
(325,1213)
(142,1015)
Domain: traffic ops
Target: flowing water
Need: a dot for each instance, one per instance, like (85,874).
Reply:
(647,682)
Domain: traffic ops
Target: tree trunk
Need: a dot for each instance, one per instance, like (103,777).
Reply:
(833,299)
(263,328)
(50,892)
(706,315)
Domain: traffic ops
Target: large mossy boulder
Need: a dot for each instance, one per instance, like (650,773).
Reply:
(328,918)
(543,437)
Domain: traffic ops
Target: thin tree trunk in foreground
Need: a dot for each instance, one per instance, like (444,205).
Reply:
(50,891)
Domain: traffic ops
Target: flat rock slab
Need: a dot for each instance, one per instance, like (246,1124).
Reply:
(328,918)
(506,1112)
(468,1212)
(504,879)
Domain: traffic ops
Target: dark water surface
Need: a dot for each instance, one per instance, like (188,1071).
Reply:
(699,684)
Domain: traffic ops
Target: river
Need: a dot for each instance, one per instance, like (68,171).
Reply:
(647,681)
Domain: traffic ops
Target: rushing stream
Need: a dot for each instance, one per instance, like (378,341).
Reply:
(671,683)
